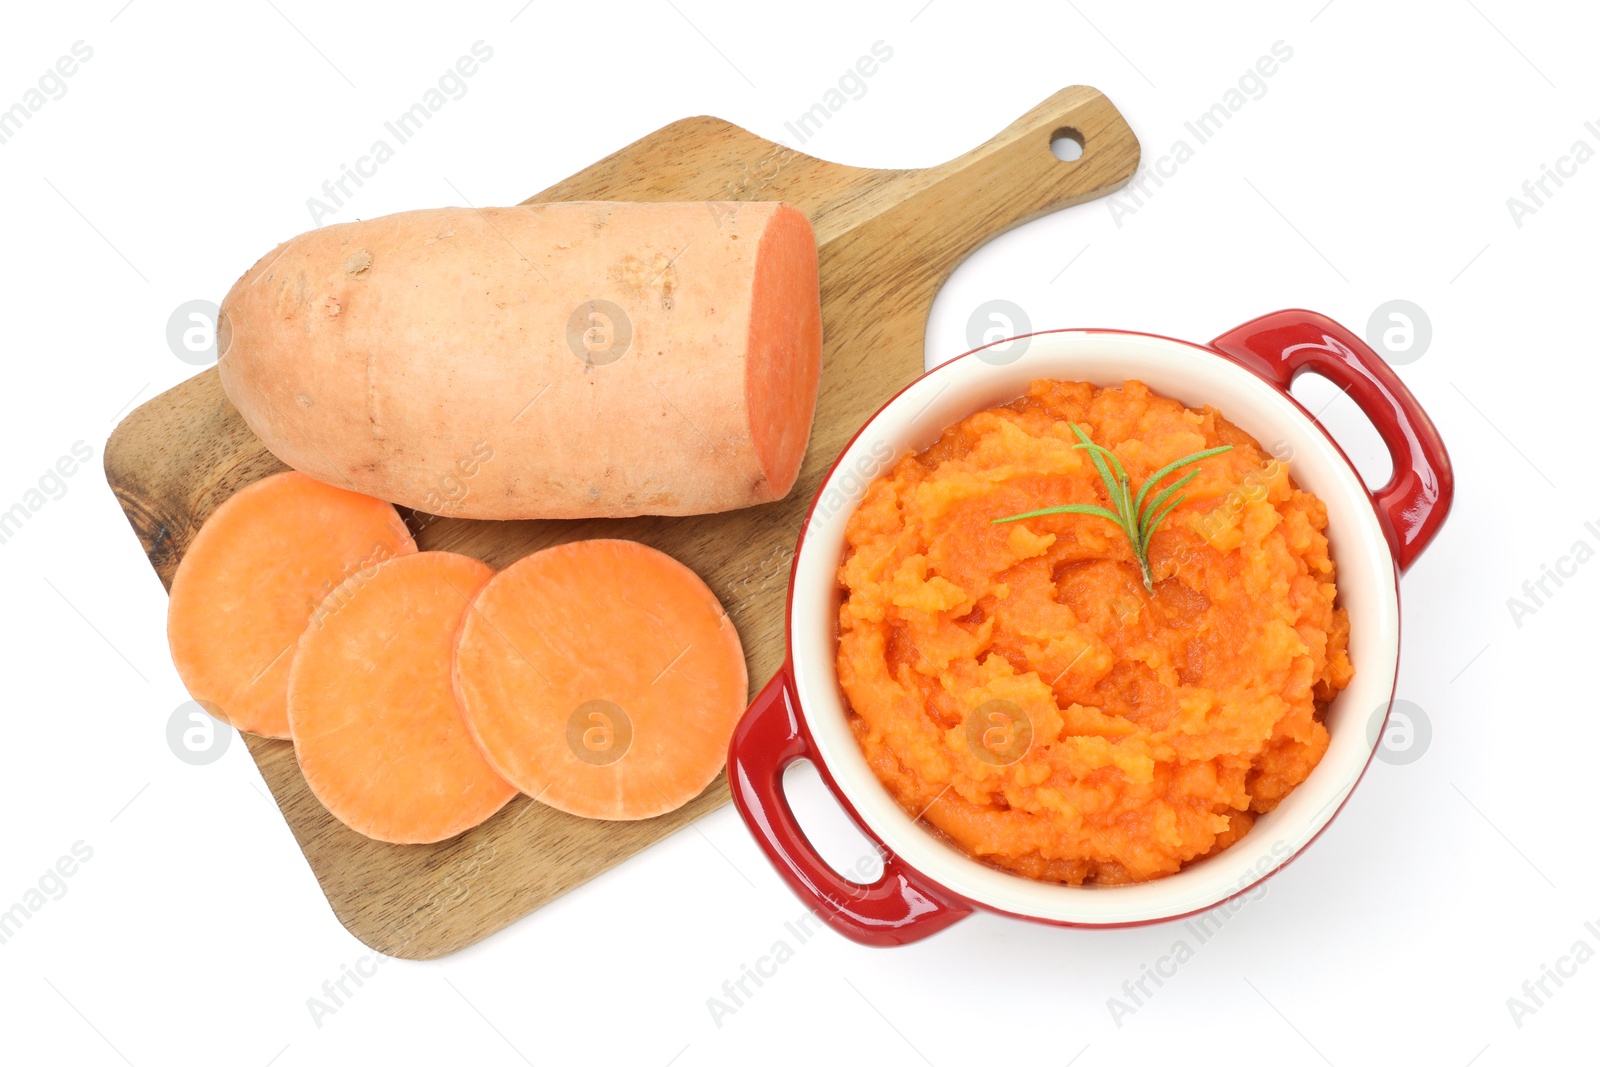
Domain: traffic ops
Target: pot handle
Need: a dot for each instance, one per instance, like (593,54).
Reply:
(1279,346)
(900,907)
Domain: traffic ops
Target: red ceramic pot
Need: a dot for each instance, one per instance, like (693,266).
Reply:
(927,884)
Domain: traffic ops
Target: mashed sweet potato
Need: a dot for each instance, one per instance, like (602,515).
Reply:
(1017,687)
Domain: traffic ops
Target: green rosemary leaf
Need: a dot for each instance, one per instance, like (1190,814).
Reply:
(1102,450)
(1065,509)
(1196,457)
(1125,505)
(1116,485)
(1144,549)
(1146,525)
(1095,451)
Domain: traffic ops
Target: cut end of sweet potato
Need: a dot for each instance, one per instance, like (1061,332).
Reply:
(602,678)
(784,363)
(373,711)
(251,582)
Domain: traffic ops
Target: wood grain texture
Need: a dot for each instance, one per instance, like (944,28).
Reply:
(887,240)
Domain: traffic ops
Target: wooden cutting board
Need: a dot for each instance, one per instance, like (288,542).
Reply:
(887,239)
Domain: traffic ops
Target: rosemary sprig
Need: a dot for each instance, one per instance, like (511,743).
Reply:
(1137,518)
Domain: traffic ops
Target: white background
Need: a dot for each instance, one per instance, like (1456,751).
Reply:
(1376,166)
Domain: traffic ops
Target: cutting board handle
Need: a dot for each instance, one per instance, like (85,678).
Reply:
(1010,179)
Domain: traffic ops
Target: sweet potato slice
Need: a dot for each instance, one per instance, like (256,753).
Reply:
(251,580)
(372,710)
(602,678)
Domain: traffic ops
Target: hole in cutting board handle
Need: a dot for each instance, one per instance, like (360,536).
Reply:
(1066,144)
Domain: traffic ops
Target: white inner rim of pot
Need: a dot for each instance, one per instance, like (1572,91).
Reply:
(1195,376)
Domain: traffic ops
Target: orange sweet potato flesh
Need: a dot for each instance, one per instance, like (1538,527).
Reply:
(602,678)
(781,389)
(251,581)
(571,360)
(372,710)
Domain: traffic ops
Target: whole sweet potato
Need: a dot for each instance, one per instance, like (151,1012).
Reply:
(544,361)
